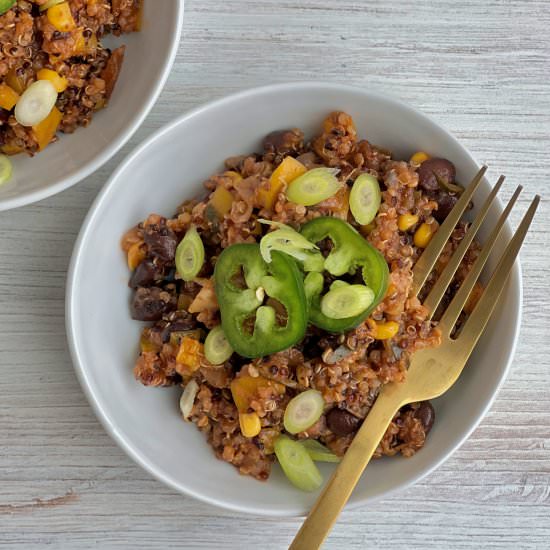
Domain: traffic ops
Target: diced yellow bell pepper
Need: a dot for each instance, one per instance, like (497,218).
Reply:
(45,130)
(419,157)
(145,345)
(59,82)
(61,18)
(250,424)
(136,254)
(8,97)
(79,43)
(84,45)
(15,82)
(245,388)
(221,200)
(190,354)
(387,330)
(285,173)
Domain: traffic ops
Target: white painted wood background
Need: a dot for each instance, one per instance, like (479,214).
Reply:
(480,68)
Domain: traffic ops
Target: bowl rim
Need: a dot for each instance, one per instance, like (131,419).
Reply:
(128,447)
(108,152)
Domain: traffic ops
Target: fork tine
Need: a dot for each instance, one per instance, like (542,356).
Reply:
(477,321)
(426,262)
(444,280)
(451,314)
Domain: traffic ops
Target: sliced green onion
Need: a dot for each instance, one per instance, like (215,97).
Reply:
(297,465)
(364,199)
(303,411)
(190,255)
(290,242)
(318,452)
(346,301)
(338,284)
(6,5)
(36,103)
(5,169)
(314,186)
(217,349)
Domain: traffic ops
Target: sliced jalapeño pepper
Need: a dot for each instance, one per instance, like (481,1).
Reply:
(263,306)
(350,252)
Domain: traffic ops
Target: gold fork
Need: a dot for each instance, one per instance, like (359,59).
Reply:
(431,371)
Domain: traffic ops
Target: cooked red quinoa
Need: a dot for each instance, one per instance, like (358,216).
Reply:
(348,369)
(29,42)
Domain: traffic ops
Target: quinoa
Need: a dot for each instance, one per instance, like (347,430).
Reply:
(29,42)
(348,369)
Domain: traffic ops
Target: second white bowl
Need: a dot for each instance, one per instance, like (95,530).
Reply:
(149,56)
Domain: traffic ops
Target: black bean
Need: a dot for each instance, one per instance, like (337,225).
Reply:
(161,241)
(426,414)
(183,321)
(445,203)
(342,422)
(283,141)
(433,171)
(147,273)
(149,304)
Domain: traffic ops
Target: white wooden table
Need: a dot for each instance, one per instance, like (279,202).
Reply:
(480,68)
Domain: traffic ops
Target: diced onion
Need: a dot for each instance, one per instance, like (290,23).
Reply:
(187,398)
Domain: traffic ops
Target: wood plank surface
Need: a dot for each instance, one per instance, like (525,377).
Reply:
(482,69)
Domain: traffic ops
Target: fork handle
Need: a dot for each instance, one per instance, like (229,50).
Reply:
(338,489)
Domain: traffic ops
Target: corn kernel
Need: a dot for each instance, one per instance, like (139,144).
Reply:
(419,157)
(423,235)
(8,97)
(387,330)
(61,18)
(136,254)
(406,221)
(59,82)
(250,424)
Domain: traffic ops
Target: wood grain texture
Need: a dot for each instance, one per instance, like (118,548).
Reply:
(482,70)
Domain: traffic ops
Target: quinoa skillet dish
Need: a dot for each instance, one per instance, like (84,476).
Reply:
(55,73)
(281,300)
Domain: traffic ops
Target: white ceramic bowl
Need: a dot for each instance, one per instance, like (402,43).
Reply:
(148,59)
(168,168)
